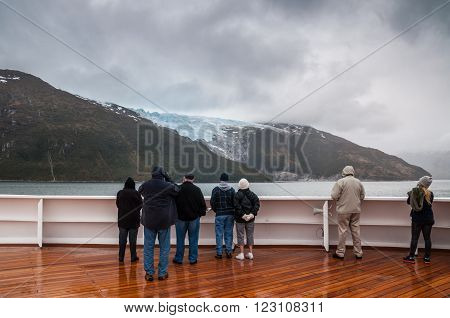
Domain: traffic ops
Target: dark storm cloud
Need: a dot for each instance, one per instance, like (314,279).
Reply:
(246,59)
(407,12)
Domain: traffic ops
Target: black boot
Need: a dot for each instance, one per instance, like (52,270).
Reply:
(409,259)
(337,256)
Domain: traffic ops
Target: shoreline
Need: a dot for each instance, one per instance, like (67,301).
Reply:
(268,182)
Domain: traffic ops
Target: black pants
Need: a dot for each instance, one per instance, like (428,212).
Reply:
(123,233)
(416,228)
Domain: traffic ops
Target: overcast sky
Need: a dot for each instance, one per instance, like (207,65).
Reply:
(250,60)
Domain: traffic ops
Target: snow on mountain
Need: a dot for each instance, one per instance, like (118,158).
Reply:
(226,137)
(119,110)
(222,136)
(195,127)
(4,79)
(229,138)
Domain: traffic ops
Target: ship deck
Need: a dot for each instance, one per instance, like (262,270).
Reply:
(70,271)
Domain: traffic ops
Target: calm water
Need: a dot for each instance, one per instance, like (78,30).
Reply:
(441,188)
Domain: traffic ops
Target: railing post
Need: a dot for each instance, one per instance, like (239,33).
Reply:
(40,211)
(326,240)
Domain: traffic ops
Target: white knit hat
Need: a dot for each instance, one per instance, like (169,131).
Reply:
(244,184)
(425,181)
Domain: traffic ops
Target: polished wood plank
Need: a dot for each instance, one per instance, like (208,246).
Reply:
(68,271)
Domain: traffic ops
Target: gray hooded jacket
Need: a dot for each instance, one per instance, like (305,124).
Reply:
(348,192)
(222,199)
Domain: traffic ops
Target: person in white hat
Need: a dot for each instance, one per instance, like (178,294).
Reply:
(246,205)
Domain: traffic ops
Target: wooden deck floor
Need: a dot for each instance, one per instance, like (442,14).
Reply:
(275,272)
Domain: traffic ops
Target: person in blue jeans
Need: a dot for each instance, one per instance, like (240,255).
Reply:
(159,213)
(164,250)
(222,202)
(191,206)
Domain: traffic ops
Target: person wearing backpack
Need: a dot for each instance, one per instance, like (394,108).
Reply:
(420,198)
(246,205)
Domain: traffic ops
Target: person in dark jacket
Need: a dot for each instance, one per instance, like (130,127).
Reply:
(129,204)
(222,202)
(159,213)
(422,219)
(246,205)
(191,206)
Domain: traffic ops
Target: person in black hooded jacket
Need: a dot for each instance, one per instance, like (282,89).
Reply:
(159,213)
(129,204)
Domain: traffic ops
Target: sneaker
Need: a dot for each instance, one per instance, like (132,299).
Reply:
(218,256)
(163,277)
(409,259)
(358,256)
(148,277)
(240,256)
(337,256)
(249,256)
(229,255)
(177,262)
(426,260)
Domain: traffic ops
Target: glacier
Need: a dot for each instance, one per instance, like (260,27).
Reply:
(195,127)
(226,137)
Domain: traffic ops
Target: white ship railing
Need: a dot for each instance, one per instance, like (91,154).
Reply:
(55,219)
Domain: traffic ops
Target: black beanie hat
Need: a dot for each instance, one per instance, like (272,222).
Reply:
(224,177)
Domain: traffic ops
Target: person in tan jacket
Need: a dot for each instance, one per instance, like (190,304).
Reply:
(348,193)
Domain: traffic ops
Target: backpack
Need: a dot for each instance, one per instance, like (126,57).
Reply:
(247,203)
(416,197)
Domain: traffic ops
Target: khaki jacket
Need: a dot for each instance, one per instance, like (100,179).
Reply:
(348,193)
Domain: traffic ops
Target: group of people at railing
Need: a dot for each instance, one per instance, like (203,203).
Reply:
(164,203)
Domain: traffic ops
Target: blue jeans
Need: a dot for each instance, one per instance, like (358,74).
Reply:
(164,250)
(193,229)
(224,229)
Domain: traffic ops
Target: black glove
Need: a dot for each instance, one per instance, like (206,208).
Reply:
(167,177)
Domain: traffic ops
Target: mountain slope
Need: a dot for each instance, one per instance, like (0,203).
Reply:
(437,162)
(49,134)
(328,154)
(287,151)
